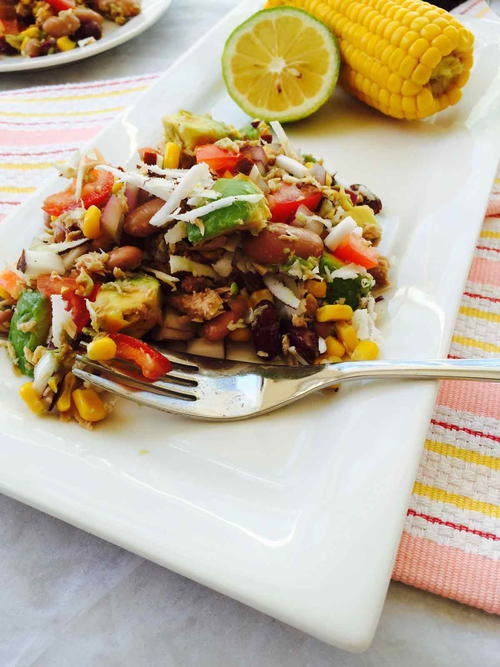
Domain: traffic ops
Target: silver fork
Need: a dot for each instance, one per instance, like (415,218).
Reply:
(222,390)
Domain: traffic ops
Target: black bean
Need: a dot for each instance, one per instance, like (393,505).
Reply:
(266,334)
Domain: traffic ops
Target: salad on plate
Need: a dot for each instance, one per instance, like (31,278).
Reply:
(226,242)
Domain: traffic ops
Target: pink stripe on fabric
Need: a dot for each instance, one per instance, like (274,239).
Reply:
(485,271)
(91,85)
(483,398)
(494,205)
(450,572)
(49,136)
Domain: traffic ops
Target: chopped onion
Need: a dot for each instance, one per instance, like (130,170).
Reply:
(321,345)
(280,291)
(39,262)
(170,173)
(161,275)
(112,217)
(364,323)
(339,232)
(44,370)
(198,174)
(283,139)
(131,192)
(159,187)
(61,319)
(179,263)
(318,172)
(70,257)
(63,246)
(256,177)
(224,265)
(348,271)
(176,233)
(292,166)
(195,213)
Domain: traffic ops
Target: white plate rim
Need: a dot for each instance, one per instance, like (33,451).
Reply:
(135,26)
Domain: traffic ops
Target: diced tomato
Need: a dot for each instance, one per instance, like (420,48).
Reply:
(61,5)
(96,191)
(151,362)
(356,250)
(48,284)
(285,201)
(9,27)
(218,159)
(70,290)
(11,284)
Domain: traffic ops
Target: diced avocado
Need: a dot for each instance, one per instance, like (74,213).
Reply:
(364,216)
(250,133)
(330,262)
(239,215)
(349,290)
(191,130)
(130,305)
(29,326)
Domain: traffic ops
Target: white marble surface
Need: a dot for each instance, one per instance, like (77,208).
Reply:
(70,598)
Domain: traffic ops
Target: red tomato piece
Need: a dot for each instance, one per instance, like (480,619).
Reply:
(11,283)
(48,284)
(151,362)
(76,305)
(356,250)
(285,201)
(61,5)
(9,26)
(96,191)
(218,159)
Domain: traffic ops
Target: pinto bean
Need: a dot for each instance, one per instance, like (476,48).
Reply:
(137,222)
(218,328)
(62,25)
(127,257)
(85,14)
(275,243)
(32,48)
(5,316)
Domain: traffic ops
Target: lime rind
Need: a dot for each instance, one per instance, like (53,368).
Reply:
(311,104)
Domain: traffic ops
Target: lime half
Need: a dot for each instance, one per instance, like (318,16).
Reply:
(281,64)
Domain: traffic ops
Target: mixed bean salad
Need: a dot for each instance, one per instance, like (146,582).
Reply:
(219,239)
(41,27)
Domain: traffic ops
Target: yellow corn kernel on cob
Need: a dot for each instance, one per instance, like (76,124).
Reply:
(406,58)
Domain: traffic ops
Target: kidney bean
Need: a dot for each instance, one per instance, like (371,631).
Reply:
(324,329)
(85,14)
(266,334)
(32,48)
(62,25)
(137,222)
(275,244)
(364,195)
(5,316)
(127,257)
(305,342)
(89,29)
(218,328)
(46,45)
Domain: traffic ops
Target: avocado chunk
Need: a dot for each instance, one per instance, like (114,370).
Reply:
(330,262)
(131,305)
(190,130)
(238,215)
(29,327)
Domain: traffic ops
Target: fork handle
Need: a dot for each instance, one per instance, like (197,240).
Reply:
(453,369)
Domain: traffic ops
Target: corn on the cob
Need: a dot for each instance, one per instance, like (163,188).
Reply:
(406,58)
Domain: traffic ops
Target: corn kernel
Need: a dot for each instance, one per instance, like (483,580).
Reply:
(316,288)
(334,347)
(64,401)
(91,226)
(32,31)
(171,156)
(117,186)
(333,313)
(89,405)
(347,335)
(53,383)
(65,44)
(240,335)
(260,295)
(327,359)
(365,350)
(101,349)
(32,399)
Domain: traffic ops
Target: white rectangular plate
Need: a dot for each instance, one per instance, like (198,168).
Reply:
(297,513)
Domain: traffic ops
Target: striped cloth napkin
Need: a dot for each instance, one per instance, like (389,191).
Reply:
(451,541)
